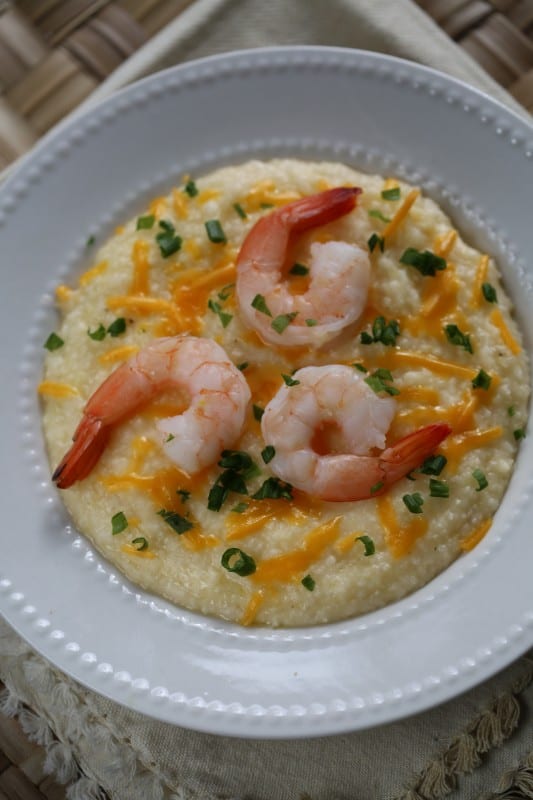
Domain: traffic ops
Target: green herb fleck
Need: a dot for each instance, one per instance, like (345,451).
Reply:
(90,241)
(311,323)
(391,194)
(433,465)
(482,380)
(380,380)
(458,338)
(289,381)
(308,583)
(482,481)
(140,543)
(117,327)
(377,487)
(228,481)
(170,437)
(266,205)
(98,334)
(378,215)
(235,459)
(268,453)
(146,222)
(259,303)
(273,489)
(438,488)
(370,547)
(282,321)
(178,523)
(360,367)
(382,331)
(426,262)
(243,366)
(184,494)
(258,412)
(240,210)
(190,188)
(119,523)
(223,316)
(215,232)
(414,502)
(376,241)
(225,292)
(511,411)
(489,293)
(235,560)
(54,342)
(519,433)
(239,508)
(299,269)
(169,243)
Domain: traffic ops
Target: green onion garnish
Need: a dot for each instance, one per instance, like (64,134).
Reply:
(228,481)
(146,222)
(482,380)
(243,366)
(308,583)
(259,303)
(482,481)
(382,331)
(370,547)
(425,262)
(178,523)
(235,459)
(378,215)
(414,502)
(376,241)
(379,382)
(184,494)
(268,453)
(458,338)
(215,232)
(90,241)
(433,465)
(282,321)
(119,522)
(299,269)
(98,334)
(239,508)
(170,437)
(273,489)
(360,367)
(223,316)
(311,323)
(190,188)
(289,381)
(391,194)
(54,342)
(235,560)
(489,293)
(240,210)
(519,433)
(377,487)
(438,488)
(140,543)
(258,412)
(167,240)
(117,327)
(511,411)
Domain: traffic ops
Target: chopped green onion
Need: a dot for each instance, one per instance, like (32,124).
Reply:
(235,560)
(259,303)
(258,412)
(482,481)
(54,342)
(378,215)
(184,494)
(376,241)
(223,316)
(308,583)
(117,327)
(391,194)
(242,366)
(282,321)
(228,481)
(457,337)
(379,382)
(119,523)
(98,334)
(191,188)
(370,547)
(240,210)
(482,380)
(414,502)
(519,433)
(235,459)
(90,241)
(144,223)
(215,232)
(299,269)
(169,243)
(360,367)
(266,205)
(170,437)
(377,487)
(426,262)
(225,292)
(268,453)
(273,489)
(511,411)
(289,381)
(382,331)
(239,508)
(438,488)
(178,523)
(489,293)
(142,542)
(433,465)
(311,323)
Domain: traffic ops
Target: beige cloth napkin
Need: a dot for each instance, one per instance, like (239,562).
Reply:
(475,746)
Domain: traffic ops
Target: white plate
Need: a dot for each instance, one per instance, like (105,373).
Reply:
(378,114)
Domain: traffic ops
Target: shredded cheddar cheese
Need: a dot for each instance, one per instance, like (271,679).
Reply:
(401,214)
(118,354)
(474,538)
(507,337)
(400,539)
(55,389)
(92,273)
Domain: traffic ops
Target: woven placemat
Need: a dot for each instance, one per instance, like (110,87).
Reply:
(54,53)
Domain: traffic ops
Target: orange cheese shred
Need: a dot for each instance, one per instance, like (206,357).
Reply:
(118,354)
(392,226)
(455,447)
(252,608)
(474,538)
(92,273)
(400,539)
(479,280)
(131,550)
(54,389)
(496,317)
(141,266)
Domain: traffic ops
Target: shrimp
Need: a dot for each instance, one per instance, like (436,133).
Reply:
(324,431)
(339,273)
(199,369)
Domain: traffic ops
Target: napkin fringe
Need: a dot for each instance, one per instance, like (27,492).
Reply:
(491,728)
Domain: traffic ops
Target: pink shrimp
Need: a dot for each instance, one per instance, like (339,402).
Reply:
(339,273)
(336,402)
(198,368)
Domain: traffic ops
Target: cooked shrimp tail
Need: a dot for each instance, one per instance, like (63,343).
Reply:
(409,452)
(339,272)
(200,371)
